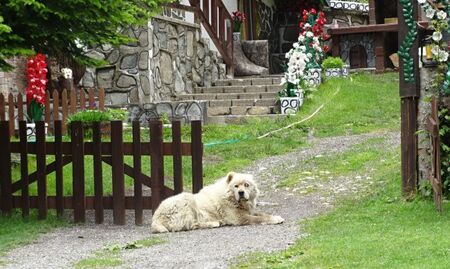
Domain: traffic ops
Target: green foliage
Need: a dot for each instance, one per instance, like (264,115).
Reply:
(444,132)
(64,27)
(332,62)
(89,116)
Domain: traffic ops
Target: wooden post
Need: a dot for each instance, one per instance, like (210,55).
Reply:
(12,120)
(138,206)
(157,162)
(41,173)
(118,180)
(409,94)
(24,167)
(2,107)
(197,156)
(5,169)
(177,157)
(79,203)
(59,168)
(98,180)
(372,16)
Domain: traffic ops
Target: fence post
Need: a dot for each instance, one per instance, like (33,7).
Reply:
(64,110)
(157,162)
(138,208)
(47,108)
(41,173)
(79,203)
(20,107)
(11,114)
(98,180)
(2,107)
(24,167)
(197,156)
(59,169)
(5,169)
(118,173)
(177,157)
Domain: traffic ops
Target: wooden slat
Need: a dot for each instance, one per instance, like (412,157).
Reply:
(25,201)
(157,162)
(47,108)
(20,107)
(55,105)
(65,111)
(98,179)
(40,168)
(78,172)
(213,18)
(91,99)
(137,173)
(5,169)
(59,168)
(73,101)
(409,146)
(205,9)
(118,180)
(129,171)
(2,107)
(82,100)
(177,157)
(221,25)
(101,100)
(18,185)
(197,156)
(11,113)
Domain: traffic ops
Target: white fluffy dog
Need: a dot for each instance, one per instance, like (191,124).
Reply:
(229,201)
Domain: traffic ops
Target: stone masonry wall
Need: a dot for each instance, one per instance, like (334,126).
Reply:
(167,59)
(14,81)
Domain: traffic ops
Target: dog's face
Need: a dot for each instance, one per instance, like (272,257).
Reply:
(242,187)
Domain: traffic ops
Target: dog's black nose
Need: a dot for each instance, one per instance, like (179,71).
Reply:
(241,193)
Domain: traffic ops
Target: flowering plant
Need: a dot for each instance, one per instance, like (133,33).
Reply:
(307,52)
(238,19)
(37,82)
(439,49)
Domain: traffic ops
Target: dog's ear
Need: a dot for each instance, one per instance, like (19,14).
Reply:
(230,177)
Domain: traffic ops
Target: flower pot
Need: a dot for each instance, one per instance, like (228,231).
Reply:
(31,131)
(333,72)
(290,105)
(345,71)
(236,36)
(314,76)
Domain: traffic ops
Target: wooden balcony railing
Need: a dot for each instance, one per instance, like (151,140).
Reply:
(217,21)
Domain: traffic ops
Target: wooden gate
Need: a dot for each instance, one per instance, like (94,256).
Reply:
(110,152)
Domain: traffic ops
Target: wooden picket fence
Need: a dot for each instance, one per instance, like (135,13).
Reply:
(111,152)
(66,104)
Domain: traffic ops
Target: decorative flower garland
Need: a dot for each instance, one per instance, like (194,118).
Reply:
(307,52)
(440,23)
(37,83)
(405,47)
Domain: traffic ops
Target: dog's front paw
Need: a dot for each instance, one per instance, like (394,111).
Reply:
(276,220)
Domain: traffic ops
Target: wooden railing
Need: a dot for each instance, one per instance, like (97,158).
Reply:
(217,21)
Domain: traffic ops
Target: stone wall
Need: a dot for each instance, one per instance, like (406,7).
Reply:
(14,81)
(364,40)
(424,149)
(167,59)
(186,111)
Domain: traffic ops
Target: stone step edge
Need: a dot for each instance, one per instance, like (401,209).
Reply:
(238,89)
(224,96)
(240,119)
(241,110)
(243,102)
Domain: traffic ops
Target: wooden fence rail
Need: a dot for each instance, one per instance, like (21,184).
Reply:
(57,107)
(111,152)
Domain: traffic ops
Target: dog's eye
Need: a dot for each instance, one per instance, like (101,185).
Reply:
(236,186)
(246,185)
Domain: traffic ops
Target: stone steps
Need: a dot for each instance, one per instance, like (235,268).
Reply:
(238,98)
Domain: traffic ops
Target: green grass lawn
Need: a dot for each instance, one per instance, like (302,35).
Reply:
(364,103)
(380,230)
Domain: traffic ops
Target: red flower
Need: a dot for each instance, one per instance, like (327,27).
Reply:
(37,79)
(326,48)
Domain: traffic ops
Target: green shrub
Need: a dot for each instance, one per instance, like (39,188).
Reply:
(88,116)
(332,62)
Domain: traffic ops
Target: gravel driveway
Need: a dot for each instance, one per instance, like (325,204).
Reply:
(212,248)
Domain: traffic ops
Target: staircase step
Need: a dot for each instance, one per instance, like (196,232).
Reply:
(226,96)
(240,110)
(271,80)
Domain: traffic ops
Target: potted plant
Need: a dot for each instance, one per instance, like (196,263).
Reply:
(291,98)
(238,19)
(35,92)
(333,67)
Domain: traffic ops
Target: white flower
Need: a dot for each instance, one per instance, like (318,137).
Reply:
(302,48)
(437,36)
(309,55)
(296,45)
(301,38)
(307,25)
(442,56)
(442,15)
(421,1)
(429,13)
(435,50)
(309,34)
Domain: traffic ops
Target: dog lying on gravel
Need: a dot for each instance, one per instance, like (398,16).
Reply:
(229,201)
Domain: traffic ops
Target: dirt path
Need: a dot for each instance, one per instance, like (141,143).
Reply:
(208,248)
